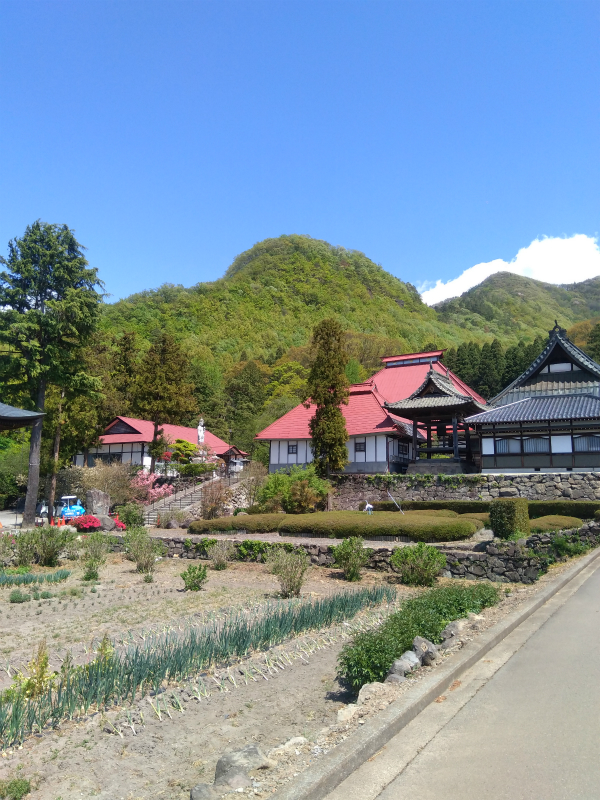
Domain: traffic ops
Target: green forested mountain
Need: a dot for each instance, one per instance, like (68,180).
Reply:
(512,307)
(272,296)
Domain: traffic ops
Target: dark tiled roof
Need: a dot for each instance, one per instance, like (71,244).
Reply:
(558,338)
(11,417)
(534,409)
(450,396)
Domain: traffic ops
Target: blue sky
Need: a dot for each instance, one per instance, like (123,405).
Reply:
(433,136)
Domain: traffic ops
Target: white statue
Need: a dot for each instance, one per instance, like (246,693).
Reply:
(201,431)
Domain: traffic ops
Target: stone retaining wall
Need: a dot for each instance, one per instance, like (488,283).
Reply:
(350,490)
(498,561)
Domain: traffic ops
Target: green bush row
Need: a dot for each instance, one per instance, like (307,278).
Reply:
(370,655)
(342,524)
(554,522)
(509,517)
(584,509)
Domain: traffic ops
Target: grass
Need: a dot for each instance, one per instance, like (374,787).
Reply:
(118,677)
(344,524)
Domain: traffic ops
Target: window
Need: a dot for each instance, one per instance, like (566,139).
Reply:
(506,446)
(292,449)
(360,447)
(403,449)
(536,444)
(587,444)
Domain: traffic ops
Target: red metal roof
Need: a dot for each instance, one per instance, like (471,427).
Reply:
(363,414)
(398,383)
(407,356)
(145,433)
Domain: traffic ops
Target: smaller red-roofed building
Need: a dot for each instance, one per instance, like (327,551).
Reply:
(126,440)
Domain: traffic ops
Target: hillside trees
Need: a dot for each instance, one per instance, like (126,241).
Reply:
(328,390)
(50,302)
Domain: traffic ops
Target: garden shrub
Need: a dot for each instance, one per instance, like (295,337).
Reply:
(220,553)
(351,556)
(15,789)
(17,596)
(583,509)
(289,569)
(459,506)
(131,514)
(554,522)
(143,549)
(86,523)
(296,491)
(562,547)
(194,577)
(49,542)
(509,517)
(343,524)
(418,565)
(482,516)
(25,547)
(95,549)
(434,512)
(252,550)
(370,655)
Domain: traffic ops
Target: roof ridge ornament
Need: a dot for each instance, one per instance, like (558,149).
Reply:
(557,330)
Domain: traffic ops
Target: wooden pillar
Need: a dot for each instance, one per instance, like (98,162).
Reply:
(415,441)
(429,439)
(455,437)
(468,441)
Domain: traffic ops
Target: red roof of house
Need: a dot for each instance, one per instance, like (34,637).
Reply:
(398,383)
(364,415)
(145,433)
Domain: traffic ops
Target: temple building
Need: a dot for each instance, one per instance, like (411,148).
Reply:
(548,419)
(382,438)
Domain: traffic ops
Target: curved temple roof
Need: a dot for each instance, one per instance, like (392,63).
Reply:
(11,417)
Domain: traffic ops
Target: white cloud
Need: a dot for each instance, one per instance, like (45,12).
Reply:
(550,259)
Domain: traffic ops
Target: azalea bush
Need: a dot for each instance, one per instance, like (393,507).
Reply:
(144,485)
(87,523)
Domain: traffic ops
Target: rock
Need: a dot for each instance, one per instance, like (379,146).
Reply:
(172,524)
(203,792)
(247,758)
(368,691)
(97,502)
(242,514)
(291,744)
(346,713)
(234,778)
(411,658)
(425,650)
(107,523)
(401,666)
(394,677)
(453,629)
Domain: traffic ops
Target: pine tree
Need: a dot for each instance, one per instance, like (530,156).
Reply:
(449,359)
(475,361)
(162,392)
(487,376)
(49,308)
(328,390)
(245,393)
(463,363)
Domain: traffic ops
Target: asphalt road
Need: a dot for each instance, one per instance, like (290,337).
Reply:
(524,723)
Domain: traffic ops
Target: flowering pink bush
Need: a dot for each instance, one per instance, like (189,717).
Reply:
(147,492)
(86,523)
(120,526)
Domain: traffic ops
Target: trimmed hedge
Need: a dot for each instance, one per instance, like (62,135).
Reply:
(438,512)
(554,522)
(370,655)
(584,509)
(459,506)
(508,517)
(343,524)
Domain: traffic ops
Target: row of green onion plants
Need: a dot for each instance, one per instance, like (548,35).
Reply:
(117,678)
(29,578)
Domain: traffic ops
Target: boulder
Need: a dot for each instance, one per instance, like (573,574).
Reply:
(346,713)
(394,677)
(401,666)
(425,650)
(107,523)
(247,758)
(234,778)
(203,792)
(453,629)
(291,744)
(172,524)
(368,691)
(97,502)
(410,657)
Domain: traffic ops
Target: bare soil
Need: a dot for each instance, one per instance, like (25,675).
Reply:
(291,691)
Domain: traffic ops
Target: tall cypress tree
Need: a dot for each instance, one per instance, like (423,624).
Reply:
(475,359)
(49,310)
(463,363)
(162,391)
(592,347)
(328,389)
(449,358)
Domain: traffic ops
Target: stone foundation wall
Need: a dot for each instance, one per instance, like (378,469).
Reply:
(350,490)
(498,561)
